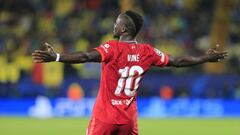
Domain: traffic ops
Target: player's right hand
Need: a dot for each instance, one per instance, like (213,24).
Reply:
(48,55)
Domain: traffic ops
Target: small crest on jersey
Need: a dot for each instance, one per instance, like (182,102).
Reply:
(105,47)
(158,52)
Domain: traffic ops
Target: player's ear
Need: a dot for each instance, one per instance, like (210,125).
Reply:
(123,29)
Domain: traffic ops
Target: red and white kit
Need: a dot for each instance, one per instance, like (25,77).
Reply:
(123,67)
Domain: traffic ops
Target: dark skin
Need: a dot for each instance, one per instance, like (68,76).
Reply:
(124,34)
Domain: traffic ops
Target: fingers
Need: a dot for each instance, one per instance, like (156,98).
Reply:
(225,54)
(220,59)
(40,56)
(39,52)
(222,56)
(216,47)
(214,50)
(216,56)
(48,46)
(38,61)
(221,53)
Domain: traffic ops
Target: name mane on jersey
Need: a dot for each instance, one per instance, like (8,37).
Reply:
(133,57)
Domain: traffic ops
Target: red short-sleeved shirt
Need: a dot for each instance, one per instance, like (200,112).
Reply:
(123,66)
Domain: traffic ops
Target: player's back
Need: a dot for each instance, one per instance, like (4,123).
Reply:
(123,66)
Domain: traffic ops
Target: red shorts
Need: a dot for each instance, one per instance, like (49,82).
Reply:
(97,127)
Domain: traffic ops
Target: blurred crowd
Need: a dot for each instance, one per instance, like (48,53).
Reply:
(179,27)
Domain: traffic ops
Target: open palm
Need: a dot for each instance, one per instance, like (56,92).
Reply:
(48,55)
(214,55)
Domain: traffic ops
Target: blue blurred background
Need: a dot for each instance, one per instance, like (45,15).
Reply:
(178,27)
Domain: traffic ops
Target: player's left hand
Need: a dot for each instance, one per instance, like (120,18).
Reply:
(48,55)
(216,56)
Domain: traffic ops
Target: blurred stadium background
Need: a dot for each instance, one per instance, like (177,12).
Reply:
(180,97)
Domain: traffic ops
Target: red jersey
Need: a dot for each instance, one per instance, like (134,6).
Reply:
(123,66)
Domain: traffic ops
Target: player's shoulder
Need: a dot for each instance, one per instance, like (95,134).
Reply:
(111,42)
(146,46)
(150,49)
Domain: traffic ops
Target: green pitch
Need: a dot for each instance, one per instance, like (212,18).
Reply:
(77,126)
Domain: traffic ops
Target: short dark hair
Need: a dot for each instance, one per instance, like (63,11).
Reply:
(137,20)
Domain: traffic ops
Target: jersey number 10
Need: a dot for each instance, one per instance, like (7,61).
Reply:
(129,80)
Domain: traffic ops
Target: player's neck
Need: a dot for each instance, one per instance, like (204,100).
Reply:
(127,38)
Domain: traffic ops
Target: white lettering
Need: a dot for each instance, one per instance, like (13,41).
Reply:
(160,54)
(105,47)
(122,102)
(133,58)
(116,102)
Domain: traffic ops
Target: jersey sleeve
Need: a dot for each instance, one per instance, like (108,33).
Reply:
(159,58)
(106,51)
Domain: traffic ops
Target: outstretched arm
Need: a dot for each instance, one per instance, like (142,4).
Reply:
(212,55)
(50,55)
